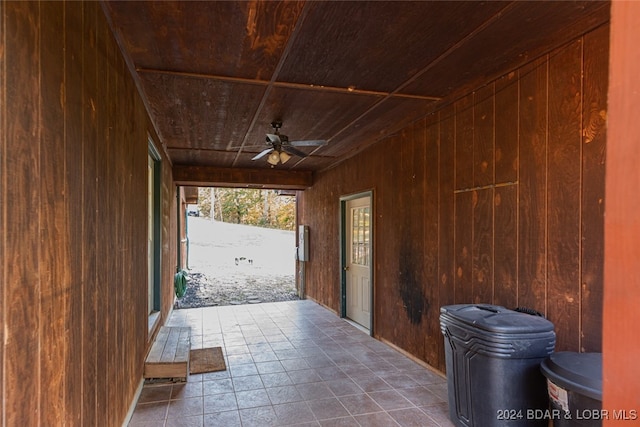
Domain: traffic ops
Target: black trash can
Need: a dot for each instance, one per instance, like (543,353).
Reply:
(575,388)
(493,358)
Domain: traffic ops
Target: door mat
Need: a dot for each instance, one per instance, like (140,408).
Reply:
(206,360)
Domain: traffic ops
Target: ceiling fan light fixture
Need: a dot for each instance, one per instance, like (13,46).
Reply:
(273,158)
(284,157)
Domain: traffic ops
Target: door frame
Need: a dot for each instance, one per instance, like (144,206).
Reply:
(343,253)
(154,156)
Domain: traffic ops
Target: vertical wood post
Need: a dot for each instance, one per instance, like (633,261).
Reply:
(621,345)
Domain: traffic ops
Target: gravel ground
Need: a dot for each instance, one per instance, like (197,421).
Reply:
(232,264)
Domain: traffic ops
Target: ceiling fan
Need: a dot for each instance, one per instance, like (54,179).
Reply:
(280,148)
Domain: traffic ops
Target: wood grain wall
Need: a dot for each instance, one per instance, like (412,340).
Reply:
(73,183)
(497,198)
(621,388)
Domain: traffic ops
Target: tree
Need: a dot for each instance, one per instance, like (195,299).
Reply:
(204,201)
(264,208)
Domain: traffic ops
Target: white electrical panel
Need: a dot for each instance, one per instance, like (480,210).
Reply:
(303,243)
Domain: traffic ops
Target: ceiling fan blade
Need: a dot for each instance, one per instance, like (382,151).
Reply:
(289,149)
(273,138)
(263,153)
(244,147)
(308,143)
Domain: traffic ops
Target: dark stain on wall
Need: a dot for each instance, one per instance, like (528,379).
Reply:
(411,291)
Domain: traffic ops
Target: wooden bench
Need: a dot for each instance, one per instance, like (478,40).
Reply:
(169,355)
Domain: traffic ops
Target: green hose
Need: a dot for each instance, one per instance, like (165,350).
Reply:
(180,283)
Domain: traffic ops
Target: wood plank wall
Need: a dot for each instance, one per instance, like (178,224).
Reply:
(3,183)
(497,198)
(73,183)
(621,388)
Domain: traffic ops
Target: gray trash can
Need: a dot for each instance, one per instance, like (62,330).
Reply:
(493,358)
(575,388)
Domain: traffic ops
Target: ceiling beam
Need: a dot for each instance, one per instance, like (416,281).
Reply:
(205,176)
(289,85)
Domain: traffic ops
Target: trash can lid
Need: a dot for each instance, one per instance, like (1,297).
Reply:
(496,319)
(578,372)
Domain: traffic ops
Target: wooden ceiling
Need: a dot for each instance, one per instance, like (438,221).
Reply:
(215,74)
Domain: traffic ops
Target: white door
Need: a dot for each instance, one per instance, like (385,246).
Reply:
(358,259)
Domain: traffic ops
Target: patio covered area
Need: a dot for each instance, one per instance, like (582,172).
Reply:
(488,140)
(293,363)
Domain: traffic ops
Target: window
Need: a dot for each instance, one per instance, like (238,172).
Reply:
(360,240)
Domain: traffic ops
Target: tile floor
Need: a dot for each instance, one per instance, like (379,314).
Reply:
(293,364)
